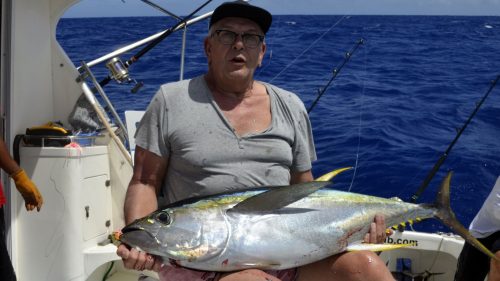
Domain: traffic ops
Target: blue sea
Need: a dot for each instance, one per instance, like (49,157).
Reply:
(391,112)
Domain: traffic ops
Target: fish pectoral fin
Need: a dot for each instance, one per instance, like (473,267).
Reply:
(282,196)
(278,197)
(375,247)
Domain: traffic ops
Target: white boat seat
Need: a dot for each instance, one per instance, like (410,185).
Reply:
(132,119)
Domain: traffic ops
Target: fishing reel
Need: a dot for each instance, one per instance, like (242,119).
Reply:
(119,72)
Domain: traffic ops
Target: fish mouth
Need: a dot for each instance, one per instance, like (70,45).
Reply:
(139,238)
(130,228)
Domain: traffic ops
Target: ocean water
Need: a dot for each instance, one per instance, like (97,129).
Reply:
(391,112)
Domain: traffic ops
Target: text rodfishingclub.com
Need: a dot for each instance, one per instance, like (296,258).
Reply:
(391,240)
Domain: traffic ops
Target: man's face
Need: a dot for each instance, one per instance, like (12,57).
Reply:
(237,59)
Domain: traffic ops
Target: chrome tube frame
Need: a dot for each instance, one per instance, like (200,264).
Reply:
(88,73)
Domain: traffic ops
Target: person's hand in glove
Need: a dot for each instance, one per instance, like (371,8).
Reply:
(29,191)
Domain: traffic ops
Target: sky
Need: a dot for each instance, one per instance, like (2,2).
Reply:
(125,8)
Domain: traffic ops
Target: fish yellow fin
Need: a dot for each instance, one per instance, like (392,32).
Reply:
(375,247)
(332,174)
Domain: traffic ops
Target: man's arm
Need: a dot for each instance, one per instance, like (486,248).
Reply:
(31,195)
(149,171)
(298,177)
(141,198)
(6,162)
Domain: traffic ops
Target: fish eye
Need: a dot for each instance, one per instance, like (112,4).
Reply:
(164,218)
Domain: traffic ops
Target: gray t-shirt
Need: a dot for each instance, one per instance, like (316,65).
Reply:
(184,124)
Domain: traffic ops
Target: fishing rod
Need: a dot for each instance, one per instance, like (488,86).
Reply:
(443,157)
(336,71)
(119,70)
(161,9)
(167,32)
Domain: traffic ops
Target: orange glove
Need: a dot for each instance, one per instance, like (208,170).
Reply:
(31,195)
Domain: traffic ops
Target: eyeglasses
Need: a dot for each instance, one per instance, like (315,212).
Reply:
(227,37)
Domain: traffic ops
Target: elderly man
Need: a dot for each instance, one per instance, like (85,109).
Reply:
(226,131)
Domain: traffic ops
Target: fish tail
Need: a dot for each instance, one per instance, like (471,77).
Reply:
(446,215)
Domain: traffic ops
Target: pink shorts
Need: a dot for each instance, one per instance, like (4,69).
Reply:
(172,273)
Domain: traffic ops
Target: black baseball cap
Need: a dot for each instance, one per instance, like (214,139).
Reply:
(241,9)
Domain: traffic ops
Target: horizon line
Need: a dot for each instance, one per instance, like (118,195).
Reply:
(387,15)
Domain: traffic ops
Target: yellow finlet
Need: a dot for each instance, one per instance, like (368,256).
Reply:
(330,175)
(375,247)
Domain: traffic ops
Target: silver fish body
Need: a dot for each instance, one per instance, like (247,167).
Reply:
(207,234)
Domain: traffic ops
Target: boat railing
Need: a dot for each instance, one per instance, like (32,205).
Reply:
(144,41)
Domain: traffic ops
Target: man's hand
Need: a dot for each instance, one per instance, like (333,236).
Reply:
(378,231)
(29,191)
(134,259)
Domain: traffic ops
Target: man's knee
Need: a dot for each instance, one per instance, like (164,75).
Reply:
(360,263)
(358,259)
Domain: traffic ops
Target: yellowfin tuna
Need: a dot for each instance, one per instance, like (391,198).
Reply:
(276,228)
